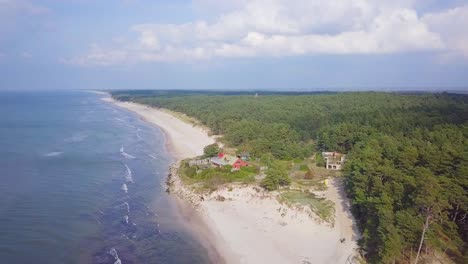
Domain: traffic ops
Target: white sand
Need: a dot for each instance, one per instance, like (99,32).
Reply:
(261,230)
(184,139)
(251,226)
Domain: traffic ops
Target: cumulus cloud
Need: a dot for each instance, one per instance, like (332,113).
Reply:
(452,26)
(276,28)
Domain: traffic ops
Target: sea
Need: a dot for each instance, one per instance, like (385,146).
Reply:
(82,181)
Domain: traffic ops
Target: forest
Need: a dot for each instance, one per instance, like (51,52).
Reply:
(407,167)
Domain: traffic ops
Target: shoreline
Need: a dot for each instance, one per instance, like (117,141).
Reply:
(249,225)
(176,144)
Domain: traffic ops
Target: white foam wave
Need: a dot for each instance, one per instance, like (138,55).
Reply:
(54,154)
(126,219)
(128,156)
(125,154)
(127,206)
(152,156)
(114,254)
(124,188)
(128,176)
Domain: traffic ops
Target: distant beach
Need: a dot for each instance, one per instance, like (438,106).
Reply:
(251,225)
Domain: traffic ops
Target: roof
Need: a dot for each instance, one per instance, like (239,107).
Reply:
(224,159)
(333,157)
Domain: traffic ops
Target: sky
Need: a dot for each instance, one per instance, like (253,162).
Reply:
(292,45)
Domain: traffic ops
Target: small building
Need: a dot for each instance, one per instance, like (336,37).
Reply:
(225,159)
(220,160)
(334,160)
(245,155)
(238,164)
(199,162)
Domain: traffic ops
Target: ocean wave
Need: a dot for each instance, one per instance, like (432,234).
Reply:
(125,154)
(127,206)
(54,154)
(138,135)
(128,175)
(124,122)
(126,219)
(124,188)
(152,156)
(114,254)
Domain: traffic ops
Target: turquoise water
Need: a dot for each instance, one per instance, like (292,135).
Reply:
(82,182)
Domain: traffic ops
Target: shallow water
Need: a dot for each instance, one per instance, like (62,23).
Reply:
(82,182)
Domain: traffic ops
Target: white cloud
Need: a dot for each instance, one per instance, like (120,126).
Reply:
(288,28)
(452,26)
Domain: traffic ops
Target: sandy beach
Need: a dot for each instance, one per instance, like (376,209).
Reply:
(250,225)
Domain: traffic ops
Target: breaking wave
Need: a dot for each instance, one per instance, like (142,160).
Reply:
(125,154)
(127,206)
(114,254)
(128,175)
(54,154)
(124,188)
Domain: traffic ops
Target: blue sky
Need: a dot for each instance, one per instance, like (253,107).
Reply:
(234,44)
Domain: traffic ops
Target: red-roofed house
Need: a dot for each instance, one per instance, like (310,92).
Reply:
(239,163)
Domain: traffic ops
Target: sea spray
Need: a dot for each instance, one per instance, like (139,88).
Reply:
(126,219)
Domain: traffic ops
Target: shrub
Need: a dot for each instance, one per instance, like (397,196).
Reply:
(319,160)
(275,179)
(211,150)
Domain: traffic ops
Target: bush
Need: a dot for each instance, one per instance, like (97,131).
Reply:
(275,179)
(319,160)
(189,171)
(211,150)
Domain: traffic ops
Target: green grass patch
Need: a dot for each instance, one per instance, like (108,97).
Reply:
(320,206)
(211,178)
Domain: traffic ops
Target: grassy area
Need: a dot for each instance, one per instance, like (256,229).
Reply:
(210,179)
(320,206)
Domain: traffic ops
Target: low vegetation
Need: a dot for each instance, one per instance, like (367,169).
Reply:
(210,178)
(319,206)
